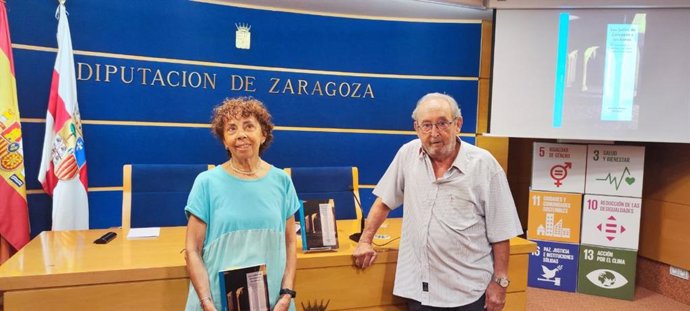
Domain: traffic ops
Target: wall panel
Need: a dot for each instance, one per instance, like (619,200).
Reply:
(666,205)
(341,89)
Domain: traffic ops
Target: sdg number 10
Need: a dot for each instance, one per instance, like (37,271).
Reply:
(592,204)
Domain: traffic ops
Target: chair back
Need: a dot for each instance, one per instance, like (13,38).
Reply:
(155,195)
(339,183)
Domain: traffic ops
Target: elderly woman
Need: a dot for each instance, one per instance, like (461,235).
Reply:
(241,212)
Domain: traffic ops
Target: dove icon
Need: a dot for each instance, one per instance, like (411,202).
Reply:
(550,273)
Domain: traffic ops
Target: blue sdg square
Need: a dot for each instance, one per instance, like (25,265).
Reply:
(554,266)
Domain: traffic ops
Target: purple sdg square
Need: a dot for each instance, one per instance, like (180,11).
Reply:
(554,266)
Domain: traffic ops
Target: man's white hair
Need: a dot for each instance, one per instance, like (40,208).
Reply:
(454,108)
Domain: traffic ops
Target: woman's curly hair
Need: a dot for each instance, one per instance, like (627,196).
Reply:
(242,107)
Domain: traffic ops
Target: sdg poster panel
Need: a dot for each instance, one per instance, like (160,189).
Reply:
(554,216)
(611,221)
(559,167)
(554,266)
(607,272)
(615,170)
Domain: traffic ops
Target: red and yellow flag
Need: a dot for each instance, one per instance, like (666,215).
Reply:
(63,165)
(14,216)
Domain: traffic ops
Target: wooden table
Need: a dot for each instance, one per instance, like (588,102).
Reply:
(64,270)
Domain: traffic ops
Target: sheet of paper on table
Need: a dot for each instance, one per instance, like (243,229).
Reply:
(143,233)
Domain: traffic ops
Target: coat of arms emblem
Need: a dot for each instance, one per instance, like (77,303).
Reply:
(243,38)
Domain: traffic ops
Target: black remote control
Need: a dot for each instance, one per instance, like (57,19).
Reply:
(104,239)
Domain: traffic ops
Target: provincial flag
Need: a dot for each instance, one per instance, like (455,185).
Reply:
(14,215)
(63,165)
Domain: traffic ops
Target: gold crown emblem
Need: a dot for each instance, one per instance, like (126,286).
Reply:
(243,27)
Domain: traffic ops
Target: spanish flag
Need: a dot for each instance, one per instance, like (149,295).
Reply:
(14,215)
(63,165)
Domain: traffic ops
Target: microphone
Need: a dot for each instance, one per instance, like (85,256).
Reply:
(355,236)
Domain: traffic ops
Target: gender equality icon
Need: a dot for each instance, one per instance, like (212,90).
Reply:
(560,172)
(559,167)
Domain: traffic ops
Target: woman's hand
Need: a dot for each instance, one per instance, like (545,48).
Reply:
(196,235)
(283,303)
(208,305)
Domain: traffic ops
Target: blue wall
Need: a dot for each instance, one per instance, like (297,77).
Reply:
(304,67)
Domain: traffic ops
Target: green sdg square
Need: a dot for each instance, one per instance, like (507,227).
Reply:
(607,272)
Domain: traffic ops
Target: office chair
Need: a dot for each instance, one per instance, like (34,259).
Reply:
(338,183)
(154,195)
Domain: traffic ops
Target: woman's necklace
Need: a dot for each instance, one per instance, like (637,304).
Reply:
(245,172)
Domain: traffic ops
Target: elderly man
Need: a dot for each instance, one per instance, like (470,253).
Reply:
(459,216)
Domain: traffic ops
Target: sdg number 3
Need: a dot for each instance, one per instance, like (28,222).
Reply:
(596,155)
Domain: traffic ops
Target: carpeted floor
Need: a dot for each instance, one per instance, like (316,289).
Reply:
(645,300)
(549,300)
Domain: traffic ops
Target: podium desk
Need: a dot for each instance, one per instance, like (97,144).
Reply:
(64,270)
(331,277)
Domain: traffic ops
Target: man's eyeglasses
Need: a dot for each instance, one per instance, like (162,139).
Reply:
(426,127)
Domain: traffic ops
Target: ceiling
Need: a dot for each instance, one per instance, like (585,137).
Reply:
(403,9)
(436,9)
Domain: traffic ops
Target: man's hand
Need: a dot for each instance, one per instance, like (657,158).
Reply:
(495,297)
(364,255)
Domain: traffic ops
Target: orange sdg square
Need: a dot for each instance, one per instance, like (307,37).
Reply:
(554,216)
